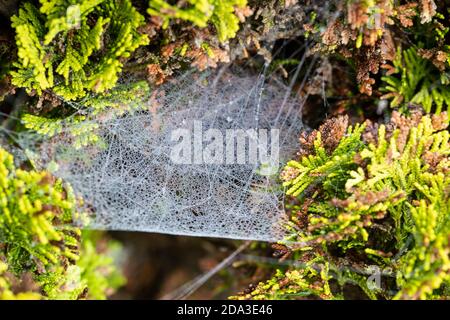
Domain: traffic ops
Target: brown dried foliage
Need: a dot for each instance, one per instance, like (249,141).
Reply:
(331,131)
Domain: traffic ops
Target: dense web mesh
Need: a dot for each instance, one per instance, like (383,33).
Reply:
(129,181)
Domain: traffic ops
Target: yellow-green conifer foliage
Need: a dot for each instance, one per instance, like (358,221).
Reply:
(220,13)
(415,80)
(74,47)
(38,238)
(369,200)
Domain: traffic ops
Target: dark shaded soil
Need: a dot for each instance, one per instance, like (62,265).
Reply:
(156,265)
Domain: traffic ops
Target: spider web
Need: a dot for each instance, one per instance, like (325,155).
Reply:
(129,182)
(132,183)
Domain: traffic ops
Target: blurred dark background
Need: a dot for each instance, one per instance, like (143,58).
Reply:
(156,265)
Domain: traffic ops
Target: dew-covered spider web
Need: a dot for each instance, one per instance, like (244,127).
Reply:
(129,181)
